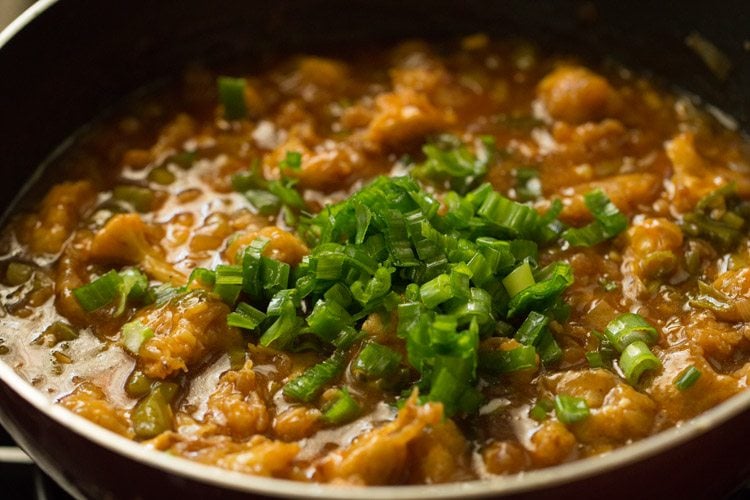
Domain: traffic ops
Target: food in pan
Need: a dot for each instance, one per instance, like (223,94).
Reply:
(422,264)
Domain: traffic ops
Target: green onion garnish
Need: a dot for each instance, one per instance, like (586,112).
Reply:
(636,359)
(228,283)
(134,334)
(232,97)
(497,362)
(342,409)
(307,386)
(627,328)
(570,410)
(100,292)
(687,378)
(376,361)
(245,316)
(608,222)
(519,279)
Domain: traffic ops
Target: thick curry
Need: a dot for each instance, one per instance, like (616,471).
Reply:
(415,265)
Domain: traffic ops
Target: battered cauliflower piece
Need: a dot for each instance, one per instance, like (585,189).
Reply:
(126,238)
(187,329)
(381,456)
(575,94)
(237,406)
(60,211)
(90,402)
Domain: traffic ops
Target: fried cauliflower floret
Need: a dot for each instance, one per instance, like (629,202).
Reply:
(710,389)
(186,330)
(619,413)
(627,192)
(694,176)
(574,94)
(236,406)
(282,245)
(58,216)
(403,117)
(90,402)
(653,247)
(381,455)
(296,423)
(259,455)
(443,454)
(127,239)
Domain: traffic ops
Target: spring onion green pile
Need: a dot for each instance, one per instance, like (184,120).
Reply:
(449,272)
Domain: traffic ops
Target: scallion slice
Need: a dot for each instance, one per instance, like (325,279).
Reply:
(245,316)
(342,409)
(687,378)
(570,410)
(307,386)
(232,97)
(133,335)
(608,222)
(629,327)
(100,292)
(376,361)
(636,359)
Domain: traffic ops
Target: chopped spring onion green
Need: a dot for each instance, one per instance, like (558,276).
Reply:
(263,202)
(307,386)
(687,378)
(449,161)
(719,217)
(232,97)
(292,160)
(570,410)
(100,292)
(636,359)
(376,361)
(608,222)
(551,283)
(497,362)
(245,316)
(228,282)
(133,335)
(138,384)
(203,276)
(342,409)
(519,279)
(540,411)
(628,328)
(531,330)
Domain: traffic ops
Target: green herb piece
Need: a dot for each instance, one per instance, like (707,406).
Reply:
(100,292)
(608,222)
(140,198)
(342,409)
(232,97)
(628,328)
(245,316)
(570,410)
(636,359)
(376,361)
(307,386)
(498,362)
(687,378)
(133,335)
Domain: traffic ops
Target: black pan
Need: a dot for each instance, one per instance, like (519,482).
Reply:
(66,61)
